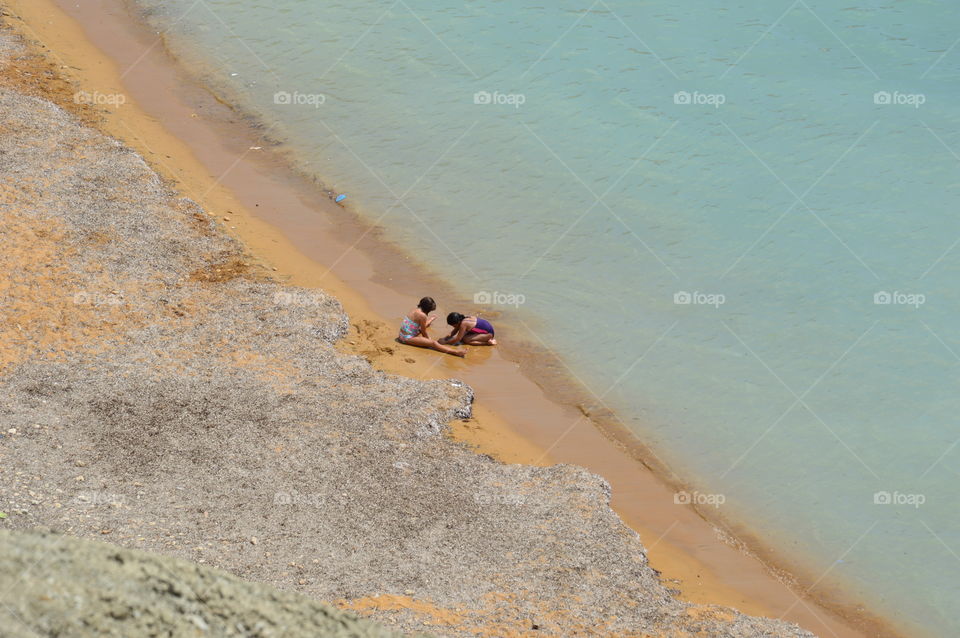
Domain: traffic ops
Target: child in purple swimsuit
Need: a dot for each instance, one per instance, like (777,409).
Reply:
(413,329)
(469,331)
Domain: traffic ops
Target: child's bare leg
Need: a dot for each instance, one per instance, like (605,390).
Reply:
(423,342)
(478,339)
(439,347)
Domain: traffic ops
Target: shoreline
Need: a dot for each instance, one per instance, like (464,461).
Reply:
(680,543)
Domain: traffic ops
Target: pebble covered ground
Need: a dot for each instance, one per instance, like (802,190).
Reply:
(159,391)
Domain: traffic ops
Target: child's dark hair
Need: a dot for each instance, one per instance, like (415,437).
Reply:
(454,319)
(427,304)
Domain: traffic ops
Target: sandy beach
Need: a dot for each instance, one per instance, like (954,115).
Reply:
(283,232)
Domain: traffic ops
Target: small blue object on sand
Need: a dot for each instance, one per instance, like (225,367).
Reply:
(340,198)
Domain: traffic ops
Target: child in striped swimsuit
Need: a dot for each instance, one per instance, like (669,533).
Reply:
(413,329)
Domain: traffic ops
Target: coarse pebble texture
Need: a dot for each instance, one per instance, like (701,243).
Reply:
(75,588)
(160,392)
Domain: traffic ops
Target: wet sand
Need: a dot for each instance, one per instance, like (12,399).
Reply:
(206,148)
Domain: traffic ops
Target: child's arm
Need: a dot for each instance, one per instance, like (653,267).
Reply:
(424,322)
(449,337)
(458,332)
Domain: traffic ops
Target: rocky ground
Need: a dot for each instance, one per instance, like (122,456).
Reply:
(81,588)
(160,392)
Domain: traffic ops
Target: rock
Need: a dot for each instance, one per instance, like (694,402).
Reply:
(199,622)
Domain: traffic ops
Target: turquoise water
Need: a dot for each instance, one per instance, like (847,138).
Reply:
(778,166)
